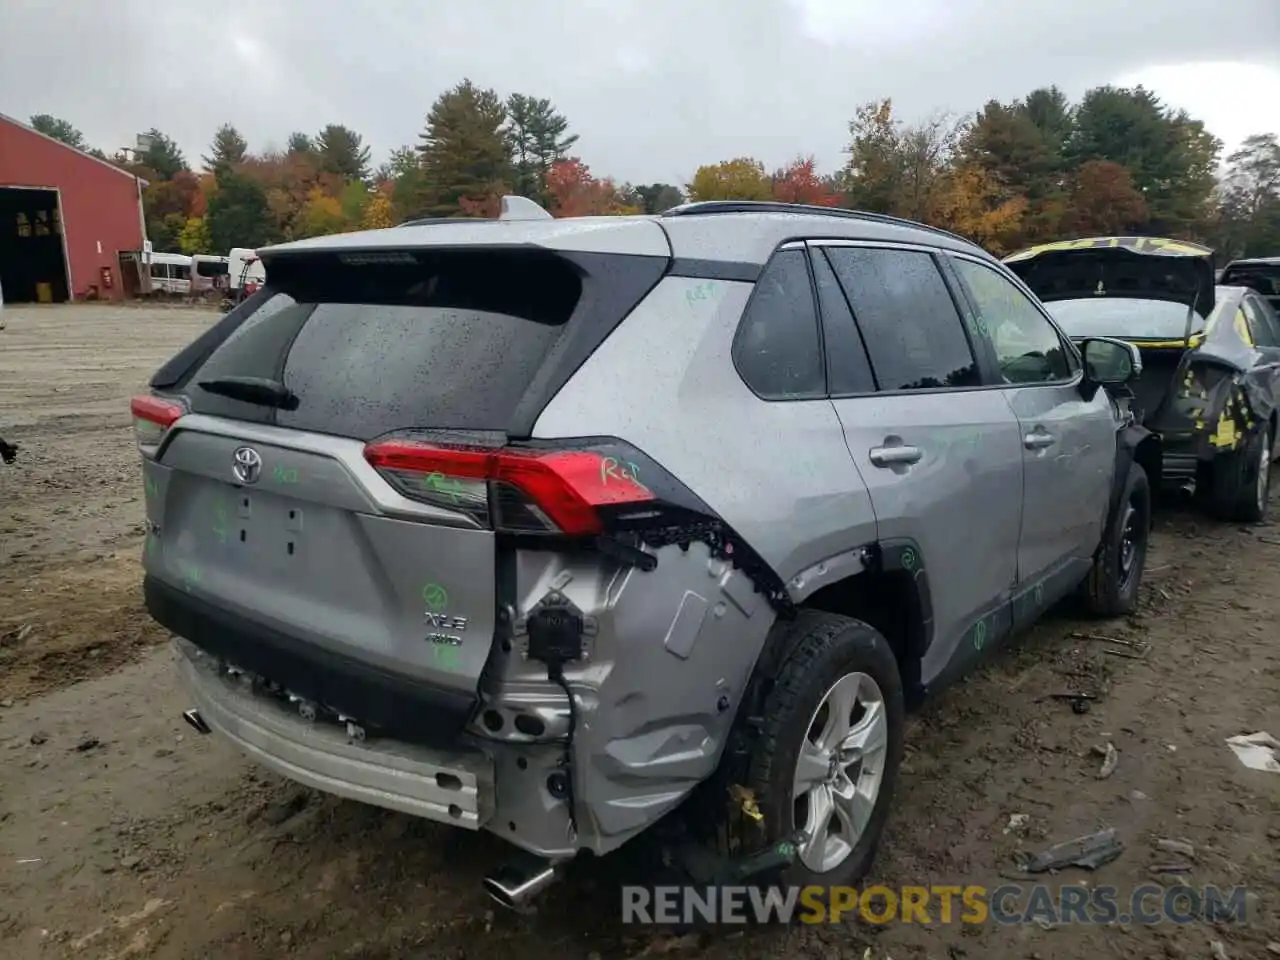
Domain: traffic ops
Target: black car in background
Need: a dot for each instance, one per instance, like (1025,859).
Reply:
(1210,381)
(1261,274)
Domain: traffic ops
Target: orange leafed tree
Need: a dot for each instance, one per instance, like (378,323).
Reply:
(1104,200)
(800,183)
(972,203)
(575,192)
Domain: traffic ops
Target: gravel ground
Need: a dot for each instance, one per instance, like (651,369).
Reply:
(121,834)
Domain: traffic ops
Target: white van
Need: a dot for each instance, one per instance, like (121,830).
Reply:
(209,273)
(170,273)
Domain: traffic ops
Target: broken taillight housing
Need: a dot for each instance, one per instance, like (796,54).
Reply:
(515,490)
(152,418)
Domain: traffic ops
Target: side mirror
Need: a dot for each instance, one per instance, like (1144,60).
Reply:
(1110,362)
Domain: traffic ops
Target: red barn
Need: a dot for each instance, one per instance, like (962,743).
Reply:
(65,217)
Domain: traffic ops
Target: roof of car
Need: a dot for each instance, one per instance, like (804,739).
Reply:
(1255,262)
(733,231)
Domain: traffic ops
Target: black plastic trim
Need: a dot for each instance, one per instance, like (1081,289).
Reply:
(903,554)
(384,702)
(733,270)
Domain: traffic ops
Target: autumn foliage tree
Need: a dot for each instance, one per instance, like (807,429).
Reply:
(1104,200)
(799,183)
(574,192)
(740,179)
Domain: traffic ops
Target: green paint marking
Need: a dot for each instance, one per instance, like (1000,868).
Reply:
(980,635)
(152,487)
(220,521)
(439,483)
(446,657)
(281,475)
(909,559)
(435,597)
(1039,593)
(703,291)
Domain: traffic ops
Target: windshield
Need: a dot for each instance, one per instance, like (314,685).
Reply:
(1124,318)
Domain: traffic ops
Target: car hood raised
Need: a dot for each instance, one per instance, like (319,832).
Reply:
(1135,268)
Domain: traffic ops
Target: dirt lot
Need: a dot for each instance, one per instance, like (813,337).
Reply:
(124,834)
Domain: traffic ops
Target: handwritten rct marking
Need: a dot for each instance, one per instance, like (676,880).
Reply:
(618,470)
(435,597)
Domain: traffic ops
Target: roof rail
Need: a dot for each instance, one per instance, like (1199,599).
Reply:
(771,206)
(425,221)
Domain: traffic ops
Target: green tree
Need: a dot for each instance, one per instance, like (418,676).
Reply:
(299,143)
(657,197)
(59,129)
(322,215)
(352,200)
(162,156)
(1250,199)
(896,169)
(228,149)
(342,152)
(465,150)
(1170,157)
(194,237)
(238,214)
(539,138)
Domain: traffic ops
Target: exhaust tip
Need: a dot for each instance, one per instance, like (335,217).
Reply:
(516,883)
(196,721)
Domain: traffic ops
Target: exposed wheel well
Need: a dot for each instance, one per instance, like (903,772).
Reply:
(888,601)
(1149,456)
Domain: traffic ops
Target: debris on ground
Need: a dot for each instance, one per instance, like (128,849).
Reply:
(87,743)
(1090,852)
(1017,821)
(1180,847)
(1218,950)
(1110,757)
(1256,751)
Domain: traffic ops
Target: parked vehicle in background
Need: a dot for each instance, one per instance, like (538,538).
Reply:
(551,527)
(245,269)
(170,273)
(210,274)
(1210,383)
(1261,274)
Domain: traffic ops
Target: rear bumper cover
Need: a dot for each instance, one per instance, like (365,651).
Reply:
(394,705)
(454,787)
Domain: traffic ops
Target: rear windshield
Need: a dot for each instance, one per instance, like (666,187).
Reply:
(1262,277)
(1124,318)
(440,340)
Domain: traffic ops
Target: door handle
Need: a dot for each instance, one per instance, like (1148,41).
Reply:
(1038,440)
(891,456)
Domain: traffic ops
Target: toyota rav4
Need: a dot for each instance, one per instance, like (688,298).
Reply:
(552,527)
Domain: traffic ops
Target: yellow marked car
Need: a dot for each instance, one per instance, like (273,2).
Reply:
(1210,382)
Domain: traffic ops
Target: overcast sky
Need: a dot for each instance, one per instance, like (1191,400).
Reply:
(654,87)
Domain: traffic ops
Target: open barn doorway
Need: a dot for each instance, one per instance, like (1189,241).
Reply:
(33,262)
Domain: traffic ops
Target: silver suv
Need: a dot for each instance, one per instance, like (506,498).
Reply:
(551,527)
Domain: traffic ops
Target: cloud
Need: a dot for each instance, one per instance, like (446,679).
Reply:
(654,88)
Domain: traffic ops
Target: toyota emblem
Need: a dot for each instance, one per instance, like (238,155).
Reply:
(246,465)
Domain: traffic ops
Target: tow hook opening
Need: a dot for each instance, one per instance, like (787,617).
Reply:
(193,717)
(518,881)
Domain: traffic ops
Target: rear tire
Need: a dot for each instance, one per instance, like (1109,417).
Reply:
(840,684)
(1240,481)
(1111,588)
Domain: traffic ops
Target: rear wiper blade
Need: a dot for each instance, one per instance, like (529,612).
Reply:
(259,390)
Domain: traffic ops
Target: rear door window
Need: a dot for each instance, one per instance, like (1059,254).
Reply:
(443,341)
(776,348)
(912,329)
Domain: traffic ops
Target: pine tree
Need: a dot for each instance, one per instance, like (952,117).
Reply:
(465,150)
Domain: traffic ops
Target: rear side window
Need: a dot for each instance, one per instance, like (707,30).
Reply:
(447,340)
(912,330)
(1262,322)
(776,347)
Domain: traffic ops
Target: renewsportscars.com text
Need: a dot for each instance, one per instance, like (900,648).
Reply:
(1008,904)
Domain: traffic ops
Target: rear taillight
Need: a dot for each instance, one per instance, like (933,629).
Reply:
(514,490)
(152,418)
